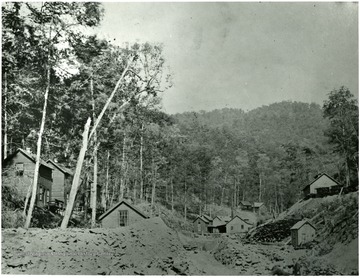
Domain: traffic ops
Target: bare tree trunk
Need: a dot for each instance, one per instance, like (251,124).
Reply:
(76,179)
(123,169)
(38,151)
(106,191)
(5,118)
(153,184)
(141,162)
(94,188)
(28,194)
(94,184)
(172,195)
(185,208)
(260,187)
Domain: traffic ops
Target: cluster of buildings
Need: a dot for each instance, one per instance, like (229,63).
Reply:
(204,224)
(54,182)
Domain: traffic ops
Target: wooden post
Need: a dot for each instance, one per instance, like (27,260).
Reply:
(76,179)
(5,118)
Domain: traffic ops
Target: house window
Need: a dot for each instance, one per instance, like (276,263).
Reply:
(242,227)
(47,195)
(231,227)
(124,217)
(41,192)
(19,168)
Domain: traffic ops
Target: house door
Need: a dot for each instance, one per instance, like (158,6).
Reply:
(199,227)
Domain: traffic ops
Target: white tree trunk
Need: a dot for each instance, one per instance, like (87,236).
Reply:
(76,179)
(38,153)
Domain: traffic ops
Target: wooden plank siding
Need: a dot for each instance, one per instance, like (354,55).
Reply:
(112,220)
(22,182)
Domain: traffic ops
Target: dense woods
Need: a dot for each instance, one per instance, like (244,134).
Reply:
(53,70)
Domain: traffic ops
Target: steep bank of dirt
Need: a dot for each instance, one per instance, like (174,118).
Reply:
(148,247)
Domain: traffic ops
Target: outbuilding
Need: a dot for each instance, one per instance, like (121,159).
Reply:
(237,225)
(121,215)
(302,232)
(321,182)
(201,225)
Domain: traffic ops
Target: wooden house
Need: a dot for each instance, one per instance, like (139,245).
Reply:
(218,225)
(62,180)
(257,206)
(208,218)
(120,215)
(245,205)
(321,182)
(237,225)
(18,171)
(201,225)
(302,232)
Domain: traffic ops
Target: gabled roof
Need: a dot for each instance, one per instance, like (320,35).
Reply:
(245,203)
(225,218)
(257,205)
(201,218)
(117,205)
(237,216)
(207,217)
(301,223)
(60,167)
(318,177)
(30,156)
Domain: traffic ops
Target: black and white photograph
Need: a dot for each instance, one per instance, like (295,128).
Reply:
(179,138)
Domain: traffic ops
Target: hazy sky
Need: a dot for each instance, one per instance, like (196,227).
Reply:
(244,55)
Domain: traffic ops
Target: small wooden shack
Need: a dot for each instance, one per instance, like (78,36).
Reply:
(18,171)
(256,206)
(120,215)
(237,225)
(245,205)
(321,182)
(302,232)
(201,225)
(218,225)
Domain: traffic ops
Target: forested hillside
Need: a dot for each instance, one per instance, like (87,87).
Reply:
(268,154)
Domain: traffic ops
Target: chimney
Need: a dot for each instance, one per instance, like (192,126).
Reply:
(28,150)
(55,160)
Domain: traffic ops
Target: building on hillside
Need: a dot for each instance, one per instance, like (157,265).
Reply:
(18,171)
(245,205)
(302,232)
(237,225)
(208,218)
(120,215)
(256,206)
(201,225)
(62,180)
(323,183)
(218,225)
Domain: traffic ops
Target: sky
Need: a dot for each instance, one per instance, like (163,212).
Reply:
(244,55)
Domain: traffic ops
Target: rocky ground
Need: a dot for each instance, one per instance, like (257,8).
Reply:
(152,248)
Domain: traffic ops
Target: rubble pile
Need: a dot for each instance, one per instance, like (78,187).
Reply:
(148,247)
(255,259)
(273,232)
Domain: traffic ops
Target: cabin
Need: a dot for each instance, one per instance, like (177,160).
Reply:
(245,205)
(302,232)
(120,215)
(218,225)
(322,183)
(256,206)
(201,225)
(62,180)
(237,225)
(18,171)
(208,218)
